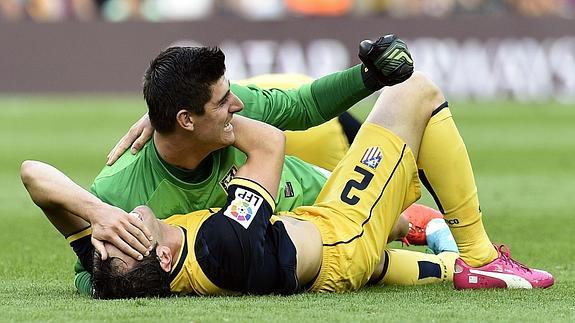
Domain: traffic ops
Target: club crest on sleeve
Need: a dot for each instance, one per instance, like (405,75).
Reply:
(244,207)
(372,157)
(288,190)
(225,182)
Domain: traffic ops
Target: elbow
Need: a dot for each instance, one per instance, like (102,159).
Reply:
(272,144)
(28,171)
(279,142)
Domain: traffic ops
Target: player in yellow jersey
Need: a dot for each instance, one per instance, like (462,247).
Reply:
(238,249)
(338,243)
(335,245)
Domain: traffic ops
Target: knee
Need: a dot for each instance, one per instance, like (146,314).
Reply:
(426,93)
(417,96)
(409,103)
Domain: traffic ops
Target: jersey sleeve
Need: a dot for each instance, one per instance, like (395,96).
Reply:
(307,106)
(248,200)
(230,246)
(82,246)
(83,283)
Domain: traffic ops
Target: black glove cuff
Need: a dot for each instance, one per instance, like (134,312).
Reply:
(370,77)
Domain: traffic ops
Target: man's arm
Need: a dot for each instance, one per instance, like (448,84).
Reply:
(71,208)
(264,146)
(386,61)
(306,106)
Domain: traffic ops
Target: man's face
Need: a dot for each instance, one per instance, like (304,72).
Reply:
(147,216)
(213,128)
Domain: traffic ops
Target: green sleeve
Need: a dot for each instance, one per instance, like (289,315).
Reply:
(307,106)
(82,280)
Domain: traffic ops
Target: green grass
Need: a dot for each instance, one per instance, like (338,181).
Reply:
(523,156)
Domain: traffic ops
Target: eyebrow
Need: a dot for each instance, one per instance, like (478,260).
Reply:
(224,98)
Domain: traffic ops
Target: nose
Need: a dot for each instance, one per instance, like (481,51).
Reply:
(237,104)
(144,211)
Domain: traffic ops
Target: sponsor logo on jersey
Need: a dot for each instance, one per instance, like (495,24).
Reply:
(244,207)
(372,157)
(225,182)
(288,190)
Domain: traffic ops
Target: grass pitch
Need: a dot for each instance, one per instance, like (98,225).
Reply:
(523,156)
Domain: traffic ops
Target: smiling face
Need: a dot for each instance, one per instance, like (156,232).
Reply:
(213,128)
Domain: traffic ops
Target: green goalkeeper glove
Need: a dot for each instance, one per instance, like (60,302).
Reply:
(386,61)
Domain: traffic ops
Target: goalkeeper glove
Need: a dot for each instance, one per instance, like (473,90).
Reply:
(386,61)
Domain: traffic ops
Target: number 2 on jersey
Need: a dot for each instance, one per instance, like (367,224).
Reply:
(367,177)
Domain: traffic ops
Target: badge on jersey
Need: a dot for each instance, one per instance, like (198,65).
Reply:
(225,182)
(288,191)
(372,157)
(244,207)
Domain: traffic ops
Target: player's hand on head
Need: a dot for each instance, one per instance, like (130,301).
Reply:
(126,231)
(139,133)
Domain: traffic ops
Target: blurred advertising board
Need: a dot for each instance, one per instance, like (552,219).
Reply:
(470,57)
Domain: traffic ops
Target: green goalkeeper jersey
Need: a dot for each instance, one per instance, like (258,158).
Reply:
(145,179)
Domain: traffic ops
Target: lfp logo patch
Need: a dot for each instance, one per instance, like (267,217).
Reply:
(372,157)
(241,210)
(244,207)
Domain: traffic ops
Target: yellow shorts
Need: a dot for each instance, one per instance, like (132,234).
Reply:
(324,145)
(359,206)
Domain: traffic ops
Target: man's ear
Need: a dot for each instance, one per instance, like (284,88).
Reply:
(165,256)
(185,119)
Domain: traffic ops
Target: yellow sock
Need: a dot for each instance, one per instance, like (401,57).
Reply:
(446,172)
(409,268)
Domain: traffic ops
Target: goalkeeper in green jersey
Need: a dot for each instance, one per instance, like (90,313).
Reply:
(189,162)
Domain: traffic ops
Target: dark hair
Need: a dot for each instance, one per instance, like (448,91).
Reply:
(111,280)
(180,78)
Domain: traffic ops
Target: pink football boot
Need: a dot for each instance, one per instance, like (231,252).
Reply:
(503,272)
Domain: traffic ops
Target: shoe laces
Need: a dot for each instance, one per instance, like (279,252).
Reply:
(506,257)
(413,229)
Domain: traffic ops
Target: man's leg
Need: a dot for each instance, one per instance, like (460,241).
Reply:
(323,145)
(376,180)
(405,109)
(445,170)
(409,268)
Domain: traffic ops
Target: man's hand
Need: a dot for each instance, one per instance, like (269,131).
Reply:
(124,230)
(387,61)
(137,136)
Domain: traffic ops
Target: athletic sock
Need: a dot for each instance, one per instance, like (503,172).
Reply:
(446,172)
(409,268)
(439,237)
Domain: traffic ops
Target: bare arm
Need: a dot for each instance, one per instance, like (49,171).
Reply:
(265,146)
(139,133)
(70,208)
